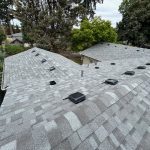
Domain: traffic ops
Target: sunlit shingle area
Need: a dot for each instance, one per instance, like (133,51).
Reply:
(34,115)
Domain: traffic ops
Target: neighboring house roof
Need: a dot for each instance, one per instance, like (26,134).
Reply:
(35,116)
(111,51)
(16,40)
(18,36)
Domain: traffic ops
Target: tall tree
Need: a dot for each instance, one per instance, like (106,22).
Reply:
(49,22)
(2,35)
(5,13)
(5,10)
(135,25)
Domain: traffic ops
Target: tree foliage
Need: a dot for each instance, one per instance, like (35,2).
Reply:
(49,22)
(91,33)
(135,25)
(5,10)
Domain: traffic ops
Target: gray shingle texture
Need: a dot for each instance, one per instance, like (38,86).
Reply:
(111,51)
(35,116)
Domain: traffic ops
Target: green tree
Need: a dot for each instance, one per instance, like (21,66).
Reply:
(5,10)
(92,32)
(6,15)
(135,25)
(49,22)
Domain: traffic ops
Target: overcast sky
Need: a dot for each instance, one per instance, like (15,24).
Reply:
(108,10)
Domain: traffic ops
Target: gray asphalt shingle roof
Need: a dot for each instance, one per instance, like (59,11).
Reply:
(34,116)
(111,51)
(26,65)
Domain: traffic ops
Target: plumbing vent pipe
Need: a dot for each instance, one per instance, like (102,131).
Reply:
(82,73)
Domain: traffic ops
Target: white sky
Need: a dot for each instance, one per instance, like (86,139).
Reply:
(108,11)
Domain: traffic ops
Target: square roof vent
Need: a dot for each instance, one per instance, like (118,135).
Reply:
(111,81)
(147,64)
(52,82)
(130,73)
(96,67)
(77,97)
(33,51)
(52,68)
(141,67)
(43,60)
(37,54)
(137,50)
(113,63)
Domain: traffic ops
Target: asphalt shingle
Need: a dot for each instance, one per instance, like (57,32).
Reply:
(34,115)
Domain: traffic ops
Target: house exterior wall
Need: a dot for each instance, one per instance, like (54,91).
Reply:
(88,60)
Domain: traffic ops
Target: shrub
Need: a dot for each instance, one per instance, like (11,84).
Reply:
(13,49)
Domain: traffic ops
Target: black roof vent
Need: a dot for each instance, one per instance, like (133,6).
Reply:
(33,51)
(141,67)
(52,68)
(115,46)
(96,67)
(37,54)
(108,44)
(130,73)
(126,48)
(137,50)
(43,60)
(77,97)
(111,81)
(113,63)
(148,64)
(52,82)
